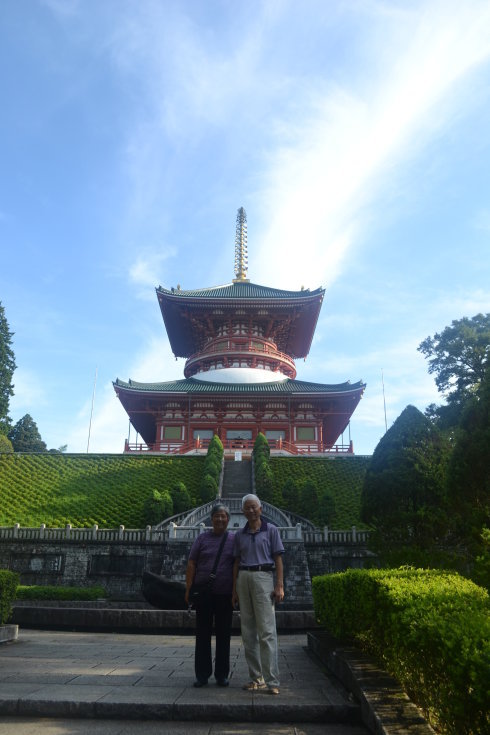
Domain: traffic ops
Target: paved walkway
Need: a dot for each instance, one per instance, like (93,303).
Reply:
(129,683)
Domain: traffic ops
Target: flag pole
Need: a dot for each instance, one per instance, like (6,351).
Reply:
(384,400)
(91,410)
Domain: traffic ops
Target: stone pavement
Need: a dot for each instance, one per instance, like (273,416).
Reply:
(140,683)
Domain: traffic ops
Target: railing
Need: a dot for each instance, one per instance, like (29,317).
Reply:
(232,445)
(198,515)
(68,533)
(238,349)
(172,532)
(162,447)
(326,535)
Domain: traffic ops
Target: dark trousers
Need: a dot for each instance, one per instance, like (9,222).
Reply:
(219,609)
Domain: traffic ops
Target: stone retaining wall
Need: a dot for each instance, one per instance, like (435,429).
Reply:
(118,566)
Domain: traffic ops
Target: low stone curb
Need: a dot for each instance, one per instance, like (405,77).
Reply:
(119,706)
(8,633)
(144,620)
(385,707)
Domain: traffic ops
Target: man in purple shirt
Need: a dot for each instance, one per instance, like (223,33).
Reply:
(217,606)
(258,553)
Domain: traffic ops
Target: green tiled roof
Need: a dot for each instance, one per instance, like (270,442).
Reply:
(191,385)
(240,290)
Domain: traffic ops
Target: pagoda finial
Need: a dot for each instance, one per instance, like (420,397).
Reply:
(241,258)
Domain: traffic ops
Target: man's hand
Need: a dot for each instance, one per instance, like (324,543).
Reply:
(278,593)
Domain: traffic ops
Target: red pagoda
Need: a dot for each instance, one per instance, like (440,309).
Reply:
(241,341)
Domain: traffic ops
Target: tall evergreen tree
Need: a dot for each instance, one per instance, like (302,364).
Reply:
(469,475)
(25,436)
(7,367)
(403,495)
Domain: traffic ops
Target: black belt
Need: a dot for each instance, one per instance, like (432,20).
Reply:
(258,568)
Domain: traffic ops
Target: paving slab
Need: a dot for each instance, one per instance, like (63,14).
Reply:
(150,677)
(49,726)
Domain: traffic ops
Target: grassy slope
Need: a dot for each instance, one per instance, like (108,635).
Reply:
(110,489)
(341,477)
(87,489)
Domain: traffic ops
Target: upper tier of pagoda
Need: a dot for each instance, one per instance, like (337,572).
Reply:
(197,320)
(241,325)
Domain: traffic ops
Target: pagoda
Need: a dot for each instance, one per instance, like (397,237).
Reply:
(240,341)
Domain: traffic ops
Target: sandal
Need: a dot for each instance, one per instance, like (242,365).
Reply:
(254,686)
(273,690)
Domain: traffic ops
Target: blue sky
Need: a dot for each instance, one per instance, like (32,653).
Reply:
(354,133)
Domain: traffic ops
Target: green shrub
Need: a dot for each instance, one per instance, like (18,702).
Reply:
(52,592)
(8,586)
(158,506)
(261,445)
(264,482)
(209,489)
(216,445)
(291,495)
(326,509)
(5,444)
(309,500)
(180,497)
(397,615)
(212,466)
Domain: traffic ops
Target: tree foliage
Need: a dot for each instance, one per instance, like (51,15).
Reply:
(263,475)
(458,356)
(157,507)
(180,497)
(25,436)
(209,489)
(5,444)
(469,469)
(7,368)
(309,500)
(404,488)
(291,495)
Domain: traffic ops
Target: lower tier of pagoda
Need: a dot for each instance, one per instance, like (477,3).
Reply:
(294,415)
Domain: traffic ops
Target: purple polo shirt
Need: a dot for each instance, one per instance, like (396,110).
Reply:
(204,551)
(258,548)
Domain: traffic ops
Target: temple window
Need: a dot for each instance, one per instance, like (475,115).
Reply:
(202,433)
(305,433)
(275,434)
(172,432)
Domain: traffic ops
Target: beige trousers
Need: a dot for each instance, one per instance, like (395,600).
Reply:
(258,625)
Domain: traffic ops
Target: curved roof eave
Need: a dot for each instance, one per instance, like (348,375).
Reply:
(239,290)
(286,387)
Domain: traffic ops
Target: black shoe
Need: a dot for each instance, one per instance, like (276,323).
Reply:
(224,682)
(200,683)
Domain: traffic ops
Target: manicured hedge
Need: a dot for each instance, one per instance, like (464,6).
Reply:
(429,628)
(52,592)
(8,585)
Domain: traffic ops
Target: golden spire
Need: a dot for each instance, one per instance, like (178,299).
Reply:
(241,258)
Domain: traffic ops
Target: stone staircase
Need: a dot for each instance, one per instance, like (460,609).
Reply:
(237,478)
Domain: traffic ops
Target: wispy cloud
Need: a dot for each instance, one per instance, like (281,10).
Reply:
(146,271)
(29,391)
(325,185)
